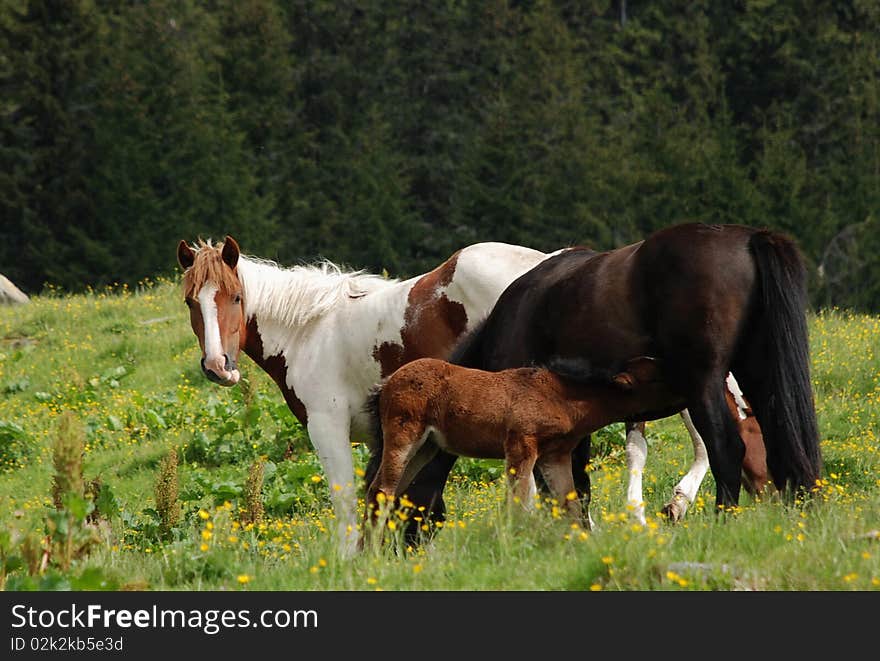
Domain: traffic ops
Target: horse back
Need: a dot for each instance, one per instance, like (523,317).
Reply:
(442,304)
(514,333)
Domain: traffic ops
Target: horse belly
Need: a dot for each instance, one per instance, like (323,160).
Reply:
(466,439)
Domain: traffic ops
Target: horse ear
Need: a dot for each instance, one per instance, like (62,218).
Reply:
(230,252)
(638,371)
(624,380)
(185,256)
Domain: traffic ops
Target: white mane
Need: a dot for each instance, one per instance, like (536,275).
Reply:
(296,295)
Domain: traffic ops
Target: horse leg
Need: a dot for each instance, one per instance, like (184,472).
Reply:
(416,526)
(423,456)
(636,456)
(755,475)
(556,469)
(533,492)
(402,441)
(426,492)
(329,434)
(685,491)
(580,460)
(718,430)
(520,454)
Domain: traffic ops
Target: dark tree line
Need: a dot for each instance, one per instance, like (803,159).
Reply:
(389,134)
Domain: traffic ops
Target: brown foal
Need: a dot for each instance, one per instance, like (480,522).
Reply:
(527,416)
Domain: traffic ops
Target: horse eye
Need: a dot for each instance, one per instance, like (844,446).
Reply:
(237,299)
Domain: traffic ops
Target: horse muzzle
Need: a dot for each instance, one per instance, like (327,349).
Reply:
(227,375)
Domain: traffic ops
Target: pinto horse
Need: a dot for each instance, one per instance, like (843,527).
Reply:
(326,336)
(530,417)
(706,300)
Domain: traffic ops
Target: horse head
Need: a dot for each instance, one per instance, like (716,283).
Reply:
(638,372)
(213,293)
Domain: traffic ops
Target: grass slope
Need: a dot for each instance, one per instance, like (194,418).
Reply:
(125,363)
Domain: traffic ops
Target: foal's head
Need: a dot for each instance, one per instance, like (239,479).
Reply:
(213,293)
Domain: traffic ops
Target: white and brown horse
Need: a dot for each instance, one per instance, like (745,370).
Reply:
(326,336)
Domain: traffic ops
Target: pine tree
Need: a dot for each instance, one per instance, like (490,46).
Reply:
(47,119)
(173,165)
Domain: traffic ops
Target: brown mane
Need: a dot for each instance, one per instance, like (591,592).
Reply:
(209,267)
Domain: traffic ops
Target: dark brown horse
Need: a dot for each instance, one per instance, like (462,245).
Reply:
(704,299)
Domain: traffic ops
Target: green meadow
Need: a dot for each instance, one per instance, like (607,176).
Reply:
(185,485)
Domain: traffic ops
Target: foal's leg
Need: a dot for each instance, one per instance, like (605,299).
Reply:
(756,476)
(520,453)
(402,440)
(422,457)
(580,459)
(556,469)
(686,490)
(426,491)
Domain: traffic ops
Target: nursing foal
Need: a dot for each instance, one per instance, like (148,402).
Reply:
(527,416)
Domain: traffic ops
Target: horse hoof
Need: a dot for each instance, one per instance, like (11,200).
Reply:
(674,510)
(671,512)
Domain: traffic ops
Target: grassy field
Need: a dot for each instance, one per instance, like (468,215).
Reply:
(118,372)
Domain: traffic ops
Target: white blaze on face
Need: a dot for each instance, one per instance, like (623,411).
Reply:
(213,344)
(215,358)
(733,387)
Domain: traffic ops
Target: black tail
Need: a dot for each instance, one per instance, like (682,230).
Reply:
(778,364)
(371,407)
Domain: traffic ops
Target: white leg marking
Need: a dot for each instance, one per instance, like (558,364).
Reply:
(329,434)
(690,483)
(636,456)
(533,492)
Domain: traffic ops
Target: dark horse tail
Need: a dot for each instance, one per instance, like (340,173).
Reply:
(777,364)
